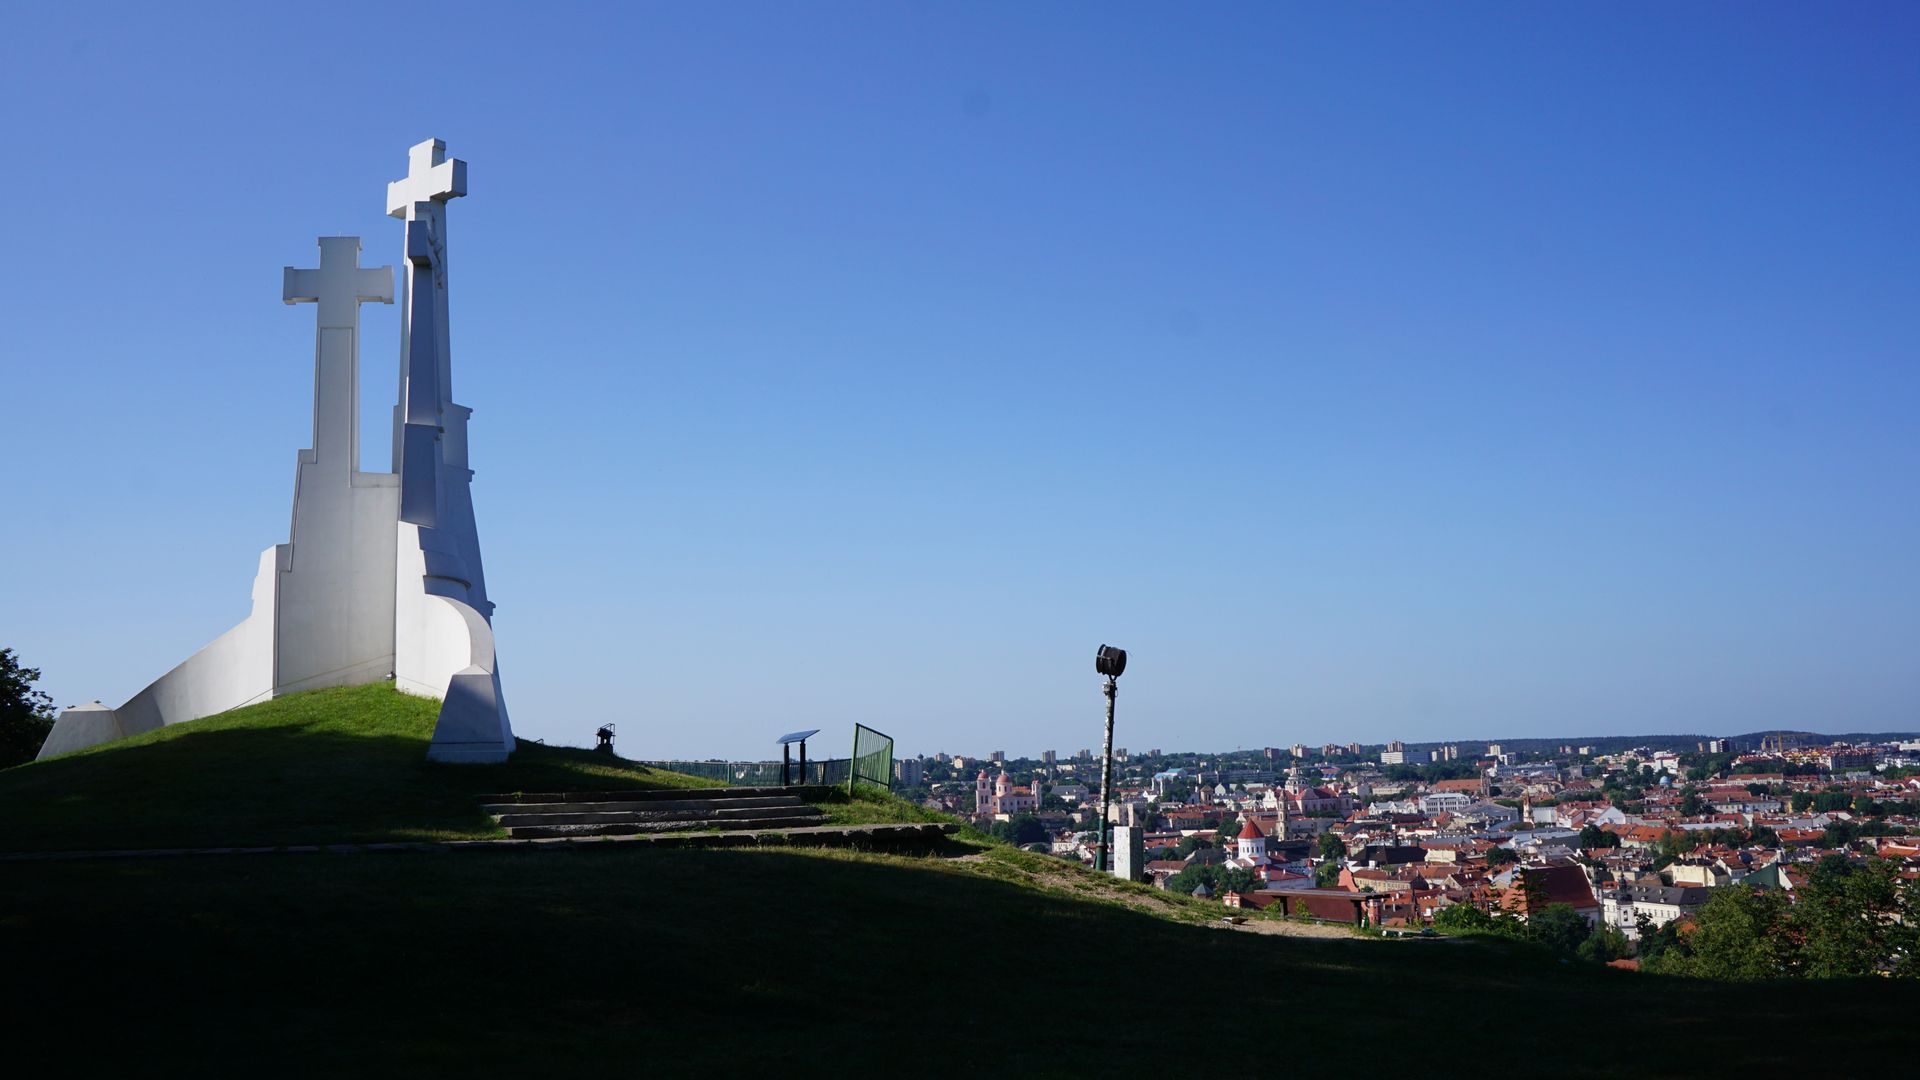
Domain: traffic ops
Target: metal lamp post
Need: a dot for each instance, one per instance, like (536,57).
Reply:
(1110,662)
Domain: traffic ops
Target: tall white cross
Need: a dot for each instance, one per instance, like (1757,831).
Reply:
(432,177)
(337,288)
(340,285)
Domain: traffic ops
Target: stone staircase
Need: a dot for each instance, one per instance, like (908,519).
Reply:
(553,815)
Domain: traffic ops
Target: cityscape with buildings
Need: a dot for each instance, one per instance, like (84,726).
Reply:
(1625,843)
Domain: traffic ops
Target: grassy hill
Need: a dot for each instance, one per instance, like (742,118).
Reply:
(719,962)
(326,766)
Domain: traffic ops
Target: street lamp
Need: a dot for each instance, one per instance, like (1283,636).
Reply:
(1110,662)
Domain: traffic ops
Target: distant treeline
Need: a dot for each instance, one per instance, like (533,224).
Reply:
(1614,744)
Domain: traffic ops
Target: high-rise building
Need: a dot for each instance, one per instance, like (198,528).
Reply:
(1048,757)
(1298,750)
(1396,746)
(998,757)
(909,771)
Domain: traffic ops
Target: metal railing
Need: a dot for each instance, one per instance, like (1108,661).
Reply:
(760,773)
(871,763)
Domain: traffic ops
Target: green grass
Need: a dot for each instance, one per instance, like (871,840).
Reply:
(720,962)
(327,766)
(787,962)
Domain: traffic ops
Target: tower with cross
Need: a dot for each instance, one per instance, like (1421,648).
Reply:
(380,575)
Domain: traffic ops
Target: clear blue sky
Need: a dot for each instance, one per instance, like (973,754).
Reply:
(1502,371)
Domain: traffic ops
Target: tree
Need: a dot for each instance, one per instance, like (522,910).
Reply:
(1021,830)
(1501,857)
(1851,919)
(1593,836)
(1237,879)
(1229,828)
(1690,803)
(1463,919)
(1605,944)
(1654,940)
(1327,874)
(1189,844)
(1332,846)
(1802,801)
(1192,878)
(26,714)
(1738,934)
(1559,928)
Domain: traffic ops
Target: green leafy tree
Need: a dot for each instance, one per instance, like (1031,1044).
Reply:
(1559,928)
(1237,879)
(1502,857)
(1463,919)
(1189,844)
(1020,830)
(1854,920)
(1192,878)
(1228,829)
(1801,802)
(1654,940)
(1605,944)
(1739,934)
(1593,836)
(1327,874)
(1332,847)
(26,714)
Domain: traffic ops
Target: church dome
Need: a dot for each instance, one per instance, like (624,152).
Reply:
(1250,831)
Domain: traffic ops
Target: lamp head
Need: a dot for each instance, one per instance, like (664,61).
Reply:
(1110,661)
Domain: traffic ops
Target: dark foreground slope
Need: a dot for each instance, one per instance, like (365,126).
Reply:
(627,962)
(610,960)
(326,766)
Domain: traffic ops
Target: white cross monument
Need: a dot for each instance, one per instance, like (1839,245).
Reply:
(380,574)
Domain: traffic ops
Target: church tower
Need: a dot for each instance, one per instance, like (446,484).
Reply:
(1252,843)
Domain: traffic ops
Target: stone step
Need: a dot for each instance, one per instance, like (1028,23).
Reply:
(637,828)
(638,806)
(698,817)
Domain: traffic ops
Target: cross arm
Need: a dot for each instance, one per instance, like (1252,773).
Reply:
(374,283)
(300,286)
(447,180)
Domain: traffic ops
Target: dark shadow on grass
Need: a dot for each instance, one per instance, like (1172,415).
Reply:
(724,962)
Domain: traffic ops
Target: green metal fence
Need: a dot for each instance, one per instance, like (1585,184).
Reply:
(872,758)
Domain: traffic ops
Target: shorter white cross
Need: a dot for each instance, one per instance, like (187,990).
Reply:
(431,177)
(340,285)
